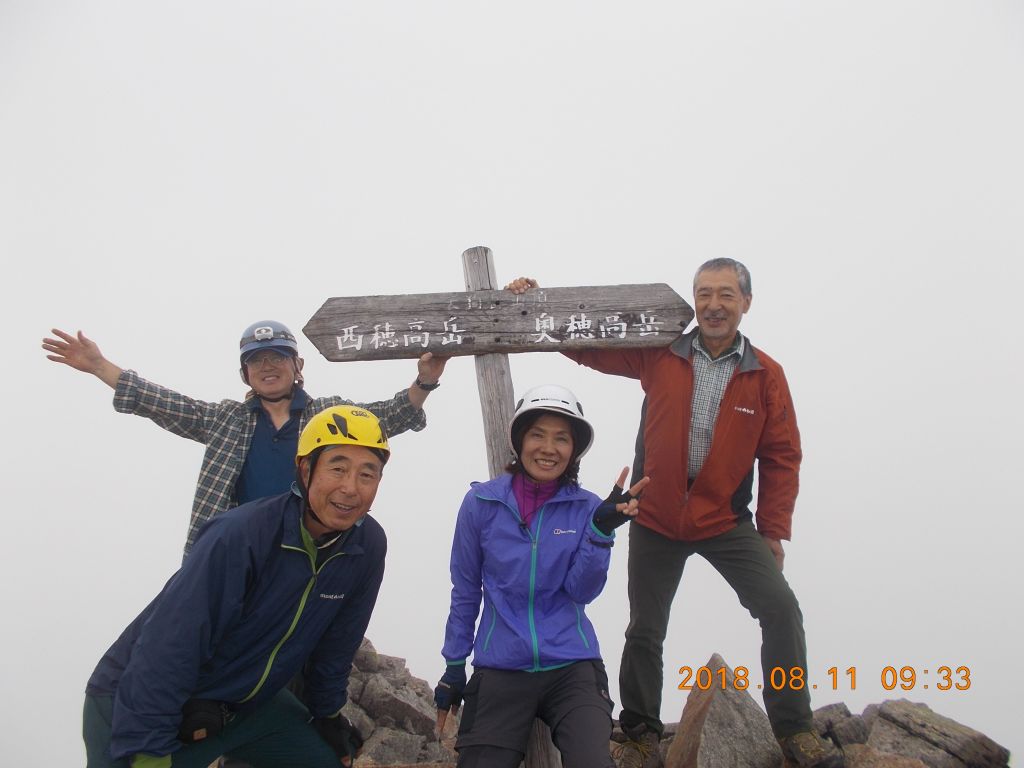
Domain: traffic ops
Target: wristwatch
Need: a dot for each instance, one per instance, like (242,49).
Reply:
(427,387)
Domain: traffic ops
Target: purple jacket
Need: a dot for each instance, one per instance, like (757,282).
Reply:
(534,580)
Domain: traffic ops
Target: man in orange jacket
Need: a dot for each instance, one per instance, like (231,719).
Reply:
(714,406)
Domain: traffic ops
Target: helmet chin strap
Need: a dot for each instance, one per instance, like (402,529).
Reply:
(287,396)
(305,492)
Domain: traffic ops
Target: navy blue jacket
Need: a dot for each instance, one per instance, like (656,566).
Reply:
(239,620)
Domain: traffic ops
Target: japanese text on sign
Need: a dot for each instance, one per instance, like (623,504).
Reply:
(547,329)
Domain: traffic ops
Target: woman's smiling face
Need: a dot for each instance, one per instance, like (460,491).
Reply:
(547,448)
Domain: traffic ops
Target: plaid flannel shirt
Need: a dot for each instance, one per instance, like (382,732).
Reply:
(226,429)
(710,378)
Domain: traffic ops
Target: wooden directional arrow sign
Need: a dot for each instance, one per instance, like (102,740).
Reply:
(482,322)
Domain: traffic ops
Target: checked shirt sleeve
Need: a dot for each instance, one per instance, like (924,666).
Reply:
(184,416)
(396,415)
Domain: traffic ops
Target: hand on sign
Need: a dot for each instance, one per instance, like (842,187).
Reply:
(430,367)
(522,285)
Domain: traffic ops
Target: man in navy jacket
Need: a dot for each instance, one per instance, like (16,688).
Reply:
(275,587)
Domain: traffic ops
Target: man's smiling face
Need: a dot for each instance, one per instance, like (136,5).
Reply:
(343,487)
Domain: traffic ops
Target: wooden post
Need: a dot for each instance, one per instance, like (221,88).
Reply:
(494,382)
(493,377)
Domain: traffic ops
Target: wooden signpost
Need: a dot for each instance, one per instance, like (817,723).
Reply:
(490,323)
(484,320)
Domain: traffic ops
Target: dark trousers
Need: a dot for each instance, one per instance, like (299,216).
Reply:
(745,561)
(276,735)
(500,707)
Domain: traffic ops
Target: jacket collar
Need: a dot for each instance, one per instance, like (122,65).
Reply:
(299,401)
(500,489)
(683,347)
(295,536)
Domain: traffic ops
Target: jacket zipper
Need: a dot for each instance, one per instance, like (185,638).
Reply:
(533,587)
(533,573)
(295,619)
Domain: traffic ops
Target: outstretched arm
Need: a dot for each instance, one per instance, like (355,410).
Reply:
(184,416)
(82,354)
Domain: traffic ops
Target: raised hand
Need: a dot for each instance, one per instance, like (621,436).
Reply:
(522,285)
(82,354)
(430,367)
(620,505)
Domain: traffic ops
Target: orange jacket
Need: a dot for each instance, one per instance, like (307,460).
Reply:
(755,421)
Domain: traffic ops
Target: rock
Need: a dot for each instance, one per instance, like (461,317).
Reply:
(825,717)
(719,728)
(835,722)
(722,728)
(398,707)
(366,658)
(849,731)
(395,713)
(434,751)
(358,717)
(863,756)
(869,715)
(886,737)
(907,728)
(388,746)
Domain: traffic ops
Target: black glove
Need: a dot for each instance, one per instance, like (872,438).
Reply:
(343,737)
(201,719)
(448,693)
(606,517)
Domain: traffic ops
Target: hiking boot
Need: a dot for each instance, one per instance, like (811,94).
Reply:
(807,750)
(642,748)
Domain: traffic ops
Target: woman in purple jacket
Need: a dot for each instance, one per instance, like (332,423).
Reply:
(534,547)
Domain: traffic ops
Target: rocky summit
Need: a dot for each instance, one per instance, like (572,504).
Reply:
(722,727)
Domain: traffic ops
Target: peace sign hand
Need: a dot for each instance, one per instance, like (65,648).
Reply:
(620,506)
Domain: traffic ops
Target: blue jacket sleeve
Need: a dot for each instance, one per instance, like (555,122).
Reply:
(330,663)
(588,570)
(467,582)
(183,627)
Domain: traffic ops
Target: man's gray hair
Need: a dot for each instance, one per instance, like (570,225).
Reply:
(742,273)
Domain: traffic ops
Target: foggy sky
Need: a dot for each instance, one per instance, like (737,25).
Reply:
(170,173)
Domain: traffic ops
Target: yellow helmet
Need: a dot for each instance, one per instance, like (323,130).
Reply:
(343,425)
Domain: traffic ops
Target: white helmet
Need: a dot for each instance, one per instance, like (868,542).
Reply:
(558,400)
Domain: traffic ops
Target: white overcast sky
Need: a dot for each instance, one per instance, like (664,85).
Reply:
(170,172)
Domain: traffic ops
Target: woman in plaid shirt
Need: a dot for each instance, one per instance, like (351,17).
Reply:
(250,444)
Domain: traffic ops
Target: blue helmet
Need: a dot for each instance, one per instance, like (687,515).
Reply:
(267,334)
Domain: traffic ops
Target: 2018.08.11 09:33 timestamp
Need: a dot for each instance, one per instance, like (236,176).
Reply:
(907,678)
